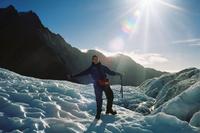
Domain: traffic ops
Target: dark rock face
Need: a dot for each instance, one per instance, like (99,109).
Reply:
(29,48)
(23,50)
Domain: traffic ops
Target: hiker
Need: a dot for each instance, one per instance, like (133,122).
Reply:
(101,83)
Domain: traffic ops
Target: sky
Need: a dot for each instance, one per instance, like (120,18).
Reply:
(161,34)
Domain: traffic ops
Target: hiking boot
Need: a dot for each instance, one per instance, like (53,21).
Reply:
(97,117)
(113,112)
(98,114)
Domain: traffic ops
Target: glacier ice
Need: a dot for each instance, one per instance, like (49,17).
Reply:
(195,120)
(34,105)
(184,105)
(169,86)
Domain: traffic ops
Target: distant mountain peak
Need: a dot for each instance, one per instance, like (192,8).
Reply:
(32,18)
(29,48)
(8,10)
(11,15)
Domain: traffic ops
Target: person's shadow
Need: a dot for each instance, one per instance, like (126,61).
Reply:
(100,125)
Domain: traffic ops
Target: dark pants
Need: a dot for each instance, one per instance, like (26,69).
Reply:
(109,96)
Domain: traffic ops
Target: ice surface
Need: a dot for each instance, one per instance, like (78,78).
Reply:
(195,121)
(184,105)
(34,105)
(169,86)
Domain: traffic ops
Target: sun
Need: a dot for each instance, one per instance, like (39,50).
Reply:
(147,2)
(143,12)
(151,3)
(141,20)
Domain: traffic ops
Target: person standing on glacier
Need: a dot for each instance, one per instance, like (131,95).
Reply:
(98,72)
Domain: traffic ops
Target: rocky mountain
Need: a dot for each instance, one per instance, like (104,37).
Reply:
(29,48)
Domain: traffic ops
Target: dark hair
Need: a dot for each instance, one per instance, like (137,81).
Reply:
(94,56)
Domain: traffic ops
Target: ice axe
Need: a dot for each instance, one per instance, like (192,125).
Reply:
(121,90)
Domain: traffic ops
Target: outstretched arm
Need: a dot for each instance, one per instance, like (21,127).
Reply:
(110,72)
(85,72)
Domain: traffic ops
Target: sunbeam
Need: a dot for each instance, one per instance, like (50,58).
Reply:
(145,13)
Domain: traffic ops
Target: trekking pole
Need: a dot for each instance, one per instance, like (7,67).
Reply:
(121,90)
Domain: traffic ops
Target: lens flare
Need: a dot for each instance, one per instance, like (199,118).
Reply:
(128,25)
(143,12)
(141,21)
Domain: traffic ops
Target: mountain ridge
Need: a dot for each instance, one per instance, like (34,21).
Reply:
(31,49)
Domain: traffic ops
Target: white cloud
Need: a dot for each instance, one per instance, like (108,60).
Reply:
(195,44)
(190,42)
(106,53)
(84,50)
(145,59)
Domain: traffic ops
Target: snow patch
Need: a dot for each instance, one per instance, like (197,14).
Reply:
(35,105)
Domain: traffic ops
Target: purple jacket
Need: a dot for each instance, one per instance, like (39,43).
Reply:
(97,71)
